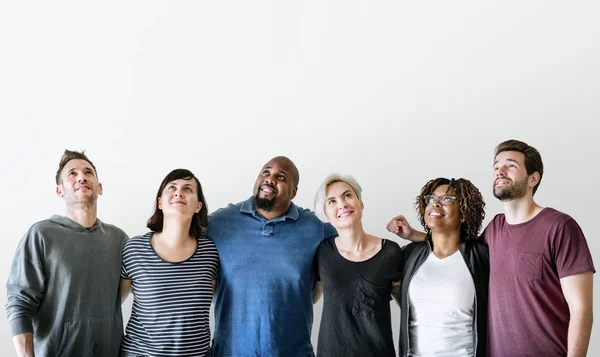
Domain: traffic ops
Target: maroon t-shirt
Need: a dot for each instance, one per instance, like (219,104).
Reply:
(527,311)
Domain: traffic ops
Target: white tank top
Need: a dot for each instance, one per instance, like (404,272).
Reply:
(441,297)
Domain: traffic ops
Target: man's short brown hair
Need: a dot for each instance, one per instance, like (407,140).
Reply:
(72,155)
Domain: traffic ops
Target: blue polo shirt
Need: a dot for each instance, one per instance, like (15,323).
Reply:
(263,302)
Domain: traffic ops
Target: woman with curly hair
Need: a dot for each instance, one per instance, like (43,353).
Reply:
(445,278)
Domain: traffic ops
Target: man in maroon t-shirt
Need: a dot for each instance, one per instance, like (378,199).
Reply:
(541,269)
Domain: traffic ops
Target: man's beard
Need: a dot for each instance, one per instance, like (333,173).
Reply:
(517,190)
(264,204)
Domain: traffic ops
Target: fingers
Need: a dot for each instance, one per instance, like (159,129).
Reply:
(397,224)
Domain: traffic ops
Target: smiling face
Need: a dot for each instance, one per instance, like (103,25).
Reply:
(78,184)
(441,217)
(510,179)
(342,208)
(275,186)
(180,198)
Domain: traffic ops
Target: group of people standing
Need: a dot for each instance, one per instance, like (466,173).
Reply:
(521,288)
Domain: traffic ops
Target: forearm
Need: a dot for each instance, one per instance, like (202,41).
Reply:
(23,344)
(417,236)
(396,294)
(580,329)
(317,292)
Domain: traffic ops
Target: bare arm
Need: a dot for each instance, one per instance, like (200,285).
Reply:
(578,291)
(24,344)
(400,227)
(396,292)
(318,292)
(125,289)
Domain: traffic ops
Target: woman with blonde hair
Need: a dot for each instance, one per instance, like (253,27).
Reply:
(356,272)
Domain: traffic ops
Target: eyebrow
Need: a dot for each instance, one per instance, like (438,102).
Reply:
(175,183)
(511,160)
(343,193)
(85,168)
(280,171)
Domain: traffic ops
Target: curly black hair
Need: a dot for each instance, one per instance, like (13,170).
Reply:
(472,206)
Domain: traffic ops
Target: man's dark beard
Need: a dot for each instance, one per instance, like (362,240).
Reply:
(517,190)
(263,203)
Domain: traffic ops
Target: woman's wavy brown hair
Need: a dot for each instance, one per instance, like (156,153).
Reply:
(472,206)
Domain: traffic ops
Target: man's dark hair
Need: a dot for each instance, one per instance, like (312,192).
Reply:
(72,155)
(199,220)
(533,159)
(472,206)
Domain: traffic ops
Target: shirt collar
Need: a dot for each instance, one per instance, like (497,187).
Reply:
(248,207)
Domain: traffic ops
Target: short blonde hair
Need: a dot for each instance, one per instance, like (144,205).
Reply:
(321,195)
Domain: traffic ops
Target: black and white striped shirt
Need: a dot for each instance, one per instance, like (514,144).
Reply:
(170,314)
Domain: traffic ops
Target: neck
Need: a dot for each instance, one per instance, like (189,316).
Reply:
(445,243)
(175,232)
(521,210)
(353,238)
(85,216)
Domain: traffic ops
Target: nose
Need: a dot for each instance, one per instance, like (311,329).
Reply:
(270,180)
(436,203)
(500,172)
(179,192)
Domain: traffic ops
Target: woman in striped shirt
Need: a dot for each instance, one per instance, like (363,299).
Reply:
(171,270)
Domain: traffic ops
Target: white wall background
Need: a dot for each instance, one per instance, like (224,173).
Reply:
(395,93)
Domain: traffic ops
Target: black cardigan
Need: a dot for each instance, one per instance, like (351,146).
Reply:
(477,258)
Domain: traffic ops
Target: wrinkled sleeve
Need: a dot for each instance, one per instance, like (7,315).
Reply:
(571,252)
(26,283)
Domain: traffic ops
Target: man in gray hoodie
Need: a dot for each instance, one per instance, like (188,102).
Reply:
(63,287)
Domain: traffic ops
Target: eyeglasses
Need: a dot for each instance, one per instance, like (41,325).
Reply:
(445,200)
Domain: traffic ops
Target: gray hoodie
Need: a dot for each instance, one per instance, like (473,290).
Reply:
(64,287)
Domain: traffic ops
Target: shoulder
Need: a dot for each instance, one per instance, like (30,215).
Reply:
(137,241)
(478,247)
(327,244)
(308,215)
(225,212)
(42,226)
(113,230)
(206,243)
(35,239)
(498,219)
(414,247)
(552,215)
(391,245)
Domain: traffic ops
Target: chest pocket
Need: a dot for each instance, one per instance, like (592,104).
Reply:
(529,267)
(368,297)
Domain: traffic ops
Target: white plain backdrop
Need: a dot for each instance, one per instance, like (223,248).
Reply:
(394,93)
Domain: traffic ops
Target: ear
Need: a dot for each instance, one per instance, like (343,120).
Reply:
(100,188)
(159,204)
(533,179)
(294,191)
(198,208)
(59,191)
(362,205)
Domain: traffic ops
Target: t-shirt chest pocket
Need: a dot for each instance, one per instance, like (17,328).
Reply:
(529,267)
(368,296)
